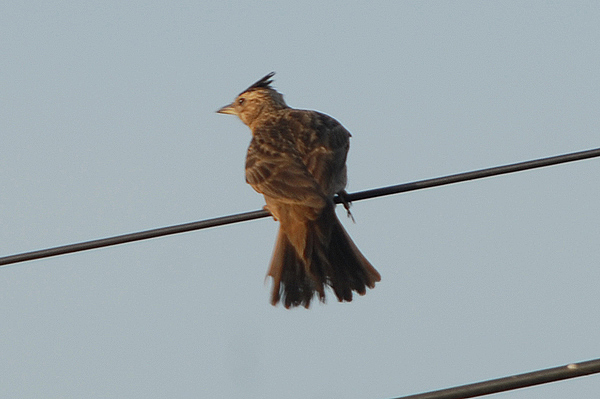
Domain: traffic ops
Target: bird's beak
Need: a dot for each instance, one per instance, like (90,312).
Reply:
(228,109)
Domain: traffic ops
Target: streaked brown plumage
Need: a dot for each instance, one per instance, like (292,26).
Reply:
(297,160)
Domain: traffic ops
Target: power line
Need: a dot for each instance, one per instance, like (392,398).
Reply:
(478,174)
(125,238)
(241,217)
(513,382)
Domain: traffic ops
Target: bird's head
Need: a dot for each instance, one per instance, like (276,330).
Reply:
(258,100)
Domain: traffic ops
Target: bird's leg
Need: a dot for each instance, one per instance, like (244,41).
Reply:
(344,198)
(266,208)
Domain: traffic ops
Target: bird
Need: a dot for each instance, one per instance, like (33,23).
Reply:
(297,160)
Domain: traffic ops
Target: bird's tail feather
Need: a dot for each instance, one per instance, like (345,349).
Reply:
(330,258)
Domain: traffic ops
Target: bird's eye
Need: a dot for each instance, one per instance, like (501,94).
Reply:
(241,101)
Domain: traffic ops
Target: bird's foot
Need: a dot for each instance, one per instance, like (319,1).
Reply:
(344,198)
(266,208)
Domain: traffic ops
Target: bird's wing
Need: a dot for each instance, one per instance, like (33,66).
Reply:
(280,174)
(326,155)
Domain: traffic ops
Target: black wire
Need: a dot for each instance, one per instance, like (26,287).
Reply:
(478,174)
(241,217)
(125,238)
(513,382)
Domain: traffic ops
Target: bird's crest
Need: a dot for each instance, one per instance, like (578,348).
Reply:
(264,83)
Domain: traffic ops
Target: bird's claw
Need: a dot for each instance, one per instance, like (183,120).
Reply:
(266,208)
(344,198)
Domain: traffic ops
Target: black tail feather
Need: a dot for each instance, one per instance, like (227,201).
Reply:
(330,259)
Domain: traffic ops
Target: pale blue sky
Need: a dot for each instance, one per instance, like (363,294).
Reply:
(108,126)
